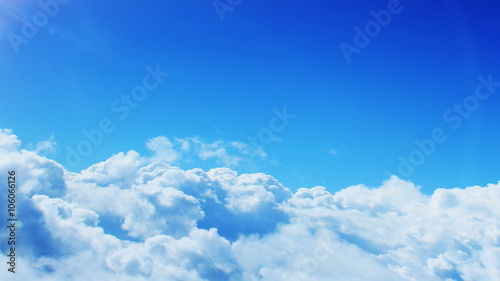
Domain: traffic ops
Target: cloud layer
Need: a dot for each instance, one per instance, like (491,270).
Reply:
(136,218)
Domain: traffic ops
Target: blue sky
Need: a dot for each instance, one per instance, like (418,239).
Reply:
(250,140)
(226,77)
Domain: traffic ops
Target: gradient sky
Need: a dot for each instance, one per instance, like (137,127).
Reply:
(226,77)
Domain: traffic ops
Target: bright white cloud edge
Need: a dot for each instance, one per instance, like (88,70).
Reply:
(254,228)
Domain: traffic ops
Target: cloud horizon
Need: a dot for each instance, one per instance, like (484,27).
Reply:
(133,217)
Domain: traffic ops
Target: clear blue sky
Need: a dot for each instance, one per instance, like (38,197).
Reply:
(227,76)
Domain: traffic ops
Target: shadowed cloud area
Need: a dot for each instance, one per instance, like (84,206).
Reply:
(132,217)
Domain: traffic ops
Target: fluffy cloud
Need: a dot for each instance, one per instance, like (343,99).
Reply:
(134,217)
(228,154)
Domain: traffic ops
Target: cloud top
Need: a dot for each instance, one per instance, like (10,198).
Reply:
(135,217)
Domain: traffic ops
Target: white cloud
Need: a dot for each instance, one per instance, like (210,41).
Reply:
(163,149)
(130,218)
(118,169)
(8,141)
(228,154)
(46,146)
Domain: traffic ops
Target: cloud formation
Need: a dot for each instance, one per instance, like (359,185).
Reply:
(134,217)
(229,154)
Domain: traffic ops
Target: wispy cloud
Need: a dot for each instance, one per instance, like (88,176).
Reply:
(333,151)
(226,153)
(46,146)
